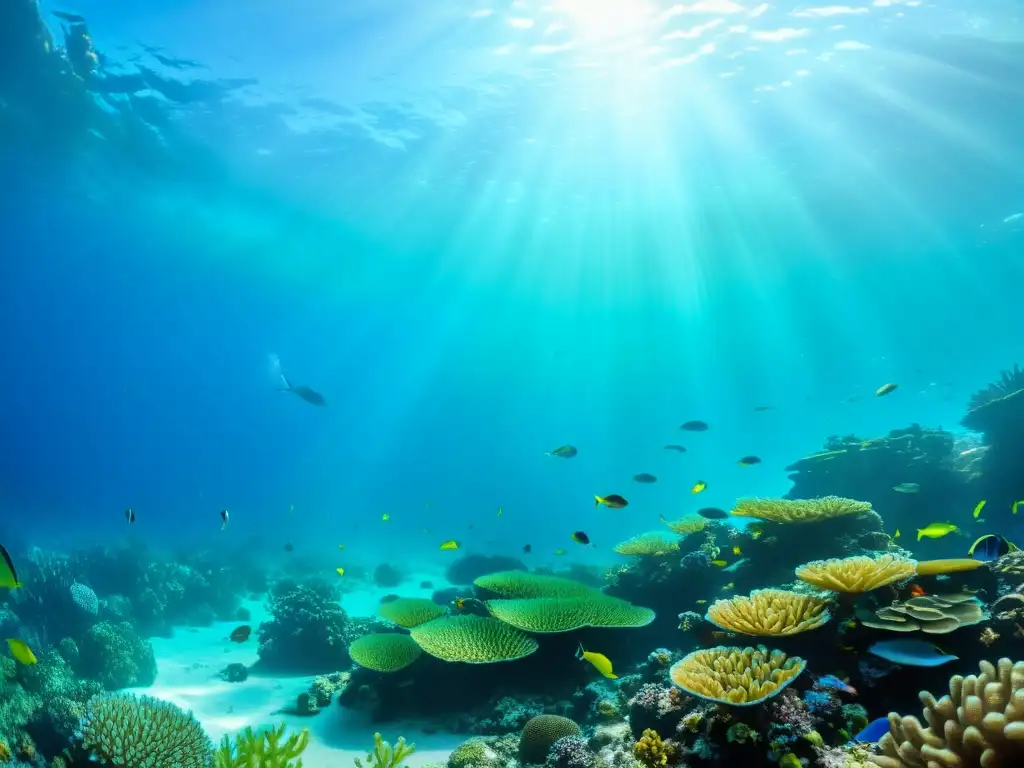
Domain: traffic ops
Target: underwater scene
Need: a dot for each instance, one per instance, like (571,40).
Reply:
(510,383)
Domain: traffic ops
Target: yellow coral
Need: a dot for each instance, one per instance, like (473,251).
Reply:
(856,574)
(684,526)
(5,752)
(799,510)
(650,544)
(652,751)
(775,612)
(736,676)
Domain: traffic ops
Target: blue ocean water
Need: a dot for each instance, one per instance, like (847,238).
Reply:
(483,230)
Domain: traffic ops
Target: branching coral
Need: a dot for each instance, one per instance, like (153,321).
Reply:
(650,544)
(980,723)
(774,612)
(736,676)
(569,613)
(472,639)
(652,752)
(856,574)
(386,756)
(524,584)
(799,510)
(262,749)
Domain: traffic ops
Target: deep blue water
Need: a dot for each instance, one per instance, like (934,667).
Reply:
(479,249)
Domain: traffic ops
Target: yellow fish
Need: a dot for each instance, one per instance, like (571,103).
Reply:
(8,574)
(341,571)
(559,552)
(341,546)
(736,551)
(730,585)
(385,517)
(936,530)
(896,535)
(501,511)
(22,653)
(460,603)
(450,544)
(1013,509)
(601,662)
(755,532)
(699,486)
(719,563)
(702,602)
(979,507)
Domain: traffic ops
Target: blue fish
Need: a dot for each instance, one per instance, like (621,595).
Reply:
(875,730)
(911,653)
(831,681)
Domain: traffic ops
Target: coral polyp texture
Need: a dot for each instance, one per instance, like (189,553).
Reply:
(564,614)
(736,676)
(799,510)
(932,614)
(684,526)
(473,640)
(540,733)
(980,723)
(525,584)
(857,574)
(409,612)
(772,612)
(384,653)
(650,544)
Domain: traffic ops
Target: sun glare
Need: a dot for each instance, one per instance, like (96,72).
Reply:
(598,20)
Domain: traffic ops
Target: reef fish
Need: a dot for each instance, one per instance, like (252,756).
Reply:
(749,461)
(911,653)
(675,447)
(224,516)
(643,477)
(527,549)
(936,531)
(581,537)
(240,634)
(21,652)
(449,545)
(302,391)
(977,509)
(563,452)
(694,426)
(612,500)
(713,513)
(831,681)
(129,515)
(885,389)
(1013,507)
(698,487)
(907,488)
(875,730)
(600,662)
(8,574)
(340,571)
(989,547)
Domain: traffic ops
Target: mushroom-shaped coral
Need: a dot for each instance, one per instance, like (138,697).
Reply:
(856,574)
(775,612)
(799,510)
(385,652)
(737,676)
(933,614)
(473,640)
(980,723)
(564,614)
(686,525)
(409,612)
(526,584)
(650,544)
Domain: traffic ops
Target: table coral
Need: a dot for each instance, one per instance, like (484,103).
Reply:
(856,574)
(736,676)
(774,612)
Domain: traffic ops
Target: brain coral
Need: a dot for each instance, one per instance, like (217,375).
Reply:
(384,653)
(980,723)
(540,733)
(85,599)
(736,676)
(856,574)
(525,584)
(472,639)
(142,732)
(799,510)
(564,614)
(775,612)
(409,612)
(648,544)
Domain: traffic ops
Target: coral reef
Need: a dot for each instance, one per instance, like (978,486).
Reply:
(541,732)
(857,574)
(799,510)
(116,656)
(650,544)
(524,584)
(473,639)
(736,676)
(307,631)
(384,653)
(774,612)
(409,612)
(565,614)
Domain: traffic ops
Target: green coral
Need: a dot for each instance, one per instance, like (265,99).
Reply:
(409,612)
(565,614)
(473,640)
(262,749)
(789,760)
(384,653)
(307,631)
(526,584)
(116,656)
(540,733)
(386,756)
(474,753)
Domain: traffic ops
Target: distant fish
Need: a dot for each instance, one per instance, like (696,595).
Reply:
(1013,507)
(599,661)
(71,18)
(762,408)
(224,516)
(612,500)
(527,549)
(911,653)
(675,447)
(713,513)
(563,452)
(749,461)
(916,590)
(449,545)
(129,515)
(719,563)
(694,426)
(907,488)
(874,731)
(500,512)
(831,681)
(305,393)
(22,653)
(559,552)
(896,534)
(643,477)
(990,547)
(936,531)
(581,537)
(8,573)
(385,517)
(980,506)
(240,634)
(698,487)
(885,389)
(340,571)
(289,547)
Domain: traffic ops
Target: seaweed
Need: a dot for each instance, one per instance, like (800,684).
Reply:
(263,749)
(386,756)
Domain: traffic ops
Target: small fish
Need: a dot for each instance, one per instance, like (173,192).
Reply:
(224,516)
(240,634)
(756,531)
(305,393)
(874,731)
(728,586)
(911,653)
(698,487)
(580,537)
(341,546)
(385,517)
(831,681)
(701,602)
(737,551)
(675,447)
(563,452)
(460,603)
(907,488)
(719,563)
(749,461)
(450,544)
(559,552)
(896,535)
(600,662)
(694,426)
(990,547)
(1013,507)
(527,549)
(8,574)
(980,506)
(129,515)
(289,547)
(501,511)
(614,501)
(763,408)
(340,571)
(643,477)
(936,530)
(885,389)
(916,590)
(22,653)
(713,513)
(848,648)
